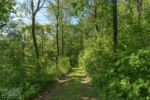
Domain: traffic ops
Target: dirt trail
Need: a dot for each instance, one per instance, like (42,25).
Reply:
(74,86)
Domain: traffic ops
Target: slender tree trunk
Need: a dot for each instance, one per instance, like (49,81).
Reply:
(62,40)
(81,43)
(42,43)
(57,32)
(95,17)
(23,45)
(115,24)
(34,12)
(34,37)
(139,7)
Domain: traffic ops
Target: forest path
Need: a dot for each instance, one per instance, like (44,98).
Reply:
(74,86)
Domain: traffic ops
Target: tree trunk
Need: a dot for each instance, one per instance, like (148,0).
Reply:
(34,37)
(139,7)
(81,43)
(62,40)
(115,24)
(42,43)
(95,17)
(57,30)
(23,45)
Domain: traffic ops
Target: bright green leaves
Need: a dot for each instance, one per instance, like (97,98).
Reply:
(6,8)
(93,59)
(79,6)
(141,60)
(126,79)
(135,70)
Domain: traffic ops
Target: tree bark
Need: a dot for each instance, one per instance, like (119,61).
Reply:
(139,7)
(34,37)
(33,30)
(62,40)
(57,32)
(95,17)
(23,45)
(42,43)
(34,12)
(115,24)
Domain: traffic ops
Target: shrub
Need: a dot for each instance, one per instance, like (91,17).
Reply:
(124,79)
(97,61)
(29,79)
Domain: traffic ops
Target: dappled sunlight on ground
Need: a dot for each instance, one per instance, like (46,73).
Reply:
(74,86)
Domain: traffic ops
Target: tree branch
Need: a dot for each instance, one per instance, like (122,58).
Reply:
(38,6)
(2,25)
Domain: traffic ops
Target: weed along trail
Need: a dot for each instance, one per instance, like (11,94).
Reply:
(74,86)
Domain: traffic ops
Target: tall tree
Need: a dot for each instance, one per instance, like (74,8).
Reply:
(57,31)
(95,17)
(139,7)
(114,2)
(42,37)
(62,48)
(35,10)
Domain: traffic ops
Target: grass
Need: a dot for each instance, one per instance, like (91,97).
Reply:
(75,86)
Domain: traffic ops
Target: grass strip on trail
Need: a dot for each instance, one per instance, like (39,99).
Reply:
(75,86)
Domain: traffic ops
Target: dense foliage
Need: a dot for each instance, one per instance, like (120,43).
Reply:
(20,69)
(127,78)
(109,39)
(123,75)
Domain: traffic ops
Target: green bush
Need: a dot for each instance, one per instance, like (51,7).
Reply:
(31,77)
(124,79)
(133,73)
(97,61)
(64,65)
